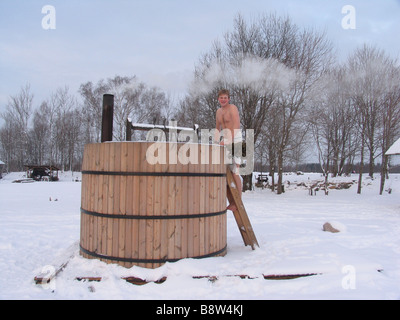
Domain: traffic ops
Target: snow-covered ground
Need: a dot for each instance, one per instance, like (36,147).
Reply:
(39,221)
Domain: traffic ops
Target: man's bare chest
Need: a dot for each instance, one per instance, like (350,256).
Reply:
(226,116)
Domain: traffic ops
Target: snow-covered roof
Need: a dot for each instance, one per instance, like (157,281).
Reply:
(1,162)
(394,149)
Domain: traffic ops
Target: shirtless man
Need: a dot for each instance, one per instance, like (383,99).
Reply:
(227,117)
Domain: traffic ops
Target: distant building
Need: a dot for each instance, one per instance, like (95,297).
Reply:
(394,149)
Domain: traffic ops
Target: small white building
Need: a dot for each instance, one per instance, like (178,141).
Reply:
(394,149)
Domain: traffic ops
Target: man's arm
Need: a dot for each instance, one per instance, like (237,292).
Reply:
(235,117)
(218,125)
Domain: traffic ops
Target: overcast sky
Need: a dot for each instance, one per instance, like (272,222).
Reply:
(159,41)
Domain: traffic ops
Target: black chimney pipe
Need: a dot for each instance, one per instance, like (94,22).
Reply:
(107,118)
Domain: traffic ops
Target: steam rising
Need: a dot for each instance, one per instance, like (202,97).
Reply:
(261,75)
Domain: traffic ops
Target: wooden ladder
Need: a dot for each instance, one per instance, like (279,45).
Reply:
(240,214)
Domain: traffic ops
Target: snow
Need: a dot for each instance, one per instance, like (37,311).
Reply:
(40,222)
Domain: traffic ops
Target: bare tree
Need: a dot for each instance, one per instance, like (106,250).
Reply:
(66,103)
(390,127)
(309,57)
(370,72)
(7,141)
(39,135)
(132,99)
(91,109)
(268,65)
(332,120)
(17,116)
(56,132)
(73,146)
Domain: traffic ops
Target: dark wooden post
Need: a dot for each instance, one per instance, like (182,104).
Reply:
(107,118)
(128,130)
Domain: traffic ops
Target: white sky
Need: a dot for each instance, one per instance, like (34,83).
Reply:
(159,41)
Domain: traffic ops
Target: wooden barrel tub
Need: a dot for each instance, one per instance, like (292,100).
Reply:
(137,212)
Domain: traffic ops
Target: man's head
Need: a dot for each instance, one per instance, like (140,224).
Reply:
(223,97)
(223,92)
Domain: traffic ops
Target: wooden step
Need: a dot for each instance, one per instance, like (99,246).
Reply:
(241,217)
